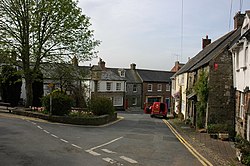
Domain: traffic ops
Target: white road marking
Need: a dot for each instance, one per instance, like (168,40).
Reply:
(109,160)
(76,146)
(105,143)
(33,123)
(40,127)
(64,141)
(92,152)
(46,131)
(128,159)
(108,151)
(54,135)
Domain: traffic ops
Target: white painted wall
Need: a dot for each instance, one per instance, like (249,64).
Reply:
(241,60)
(180,82)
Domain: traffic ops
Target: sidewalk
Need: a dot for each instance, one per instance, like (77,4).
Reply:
(214,150)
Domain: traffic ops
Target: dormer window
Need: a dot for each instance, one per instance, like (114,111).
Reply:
(121,72)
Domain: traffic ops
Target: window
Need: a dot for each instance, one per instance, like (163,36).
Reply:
(134,88)
(150,87)
(98,86)
(134,101)
(109,86)
(246,56)
(237,60)
(118,101)
(159,87)
(122,73)
(118,86)
(167,87)
(242,104)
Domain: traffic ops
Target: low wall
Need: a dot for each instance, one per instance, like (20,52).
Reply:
(95,121)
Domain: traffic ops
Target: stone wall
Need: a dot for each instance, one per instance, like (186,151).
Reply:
(221,97)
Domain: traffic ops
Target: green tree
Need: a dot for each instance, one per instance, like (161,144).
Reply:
(45,31)
(10,83)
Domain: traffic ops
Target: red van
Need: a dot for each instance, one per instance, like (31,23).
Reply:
(159,109)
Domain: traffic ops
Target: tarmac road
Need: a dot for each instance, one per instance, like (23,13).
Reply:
(137,139)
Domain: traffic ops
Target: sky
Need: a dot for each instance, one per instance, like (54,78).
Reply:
(152,33)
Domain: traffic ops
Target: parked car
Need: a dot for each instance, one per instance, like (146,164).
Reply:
(159,109)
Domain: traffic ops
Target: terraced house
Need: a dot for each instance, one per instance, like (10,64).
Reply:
(212,69)
(241,73)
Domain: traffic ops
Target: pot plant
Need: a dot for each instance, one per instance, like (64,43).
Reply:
(211,129)
(242,150)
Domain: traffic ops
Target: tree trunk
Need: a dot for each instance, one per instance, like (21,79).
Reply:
(29,90)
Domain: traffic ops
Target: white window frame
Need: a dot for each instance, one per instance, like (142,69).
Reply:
(150,87)
(246,56)
(118,101)
(122,73)
(168,87)
(134,101)
(118,86)
(242,104)
(159,87)
(237,60)
(134,88)
(108,86)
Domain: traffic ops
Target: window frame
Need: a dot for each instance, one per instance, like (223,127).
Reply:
(150,87)
(134,88)
(118,88)
(159,87)
(109,84)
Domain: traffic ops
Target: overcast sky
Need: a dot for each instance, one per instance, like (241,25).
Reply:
(148,32)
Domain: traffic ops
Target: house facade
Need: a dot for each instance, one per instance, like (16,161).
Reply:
(156,86)
(133,89)
(241,79)
(215,62)
(106,82)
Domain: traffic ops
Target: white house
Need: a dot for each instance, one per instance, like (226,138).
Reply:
(109,82)
(241,74)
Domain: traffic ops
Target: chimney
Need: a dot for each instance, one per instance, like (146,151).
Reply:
(101,63)
(75,61)
(205,42)
(238,20)
(132,66)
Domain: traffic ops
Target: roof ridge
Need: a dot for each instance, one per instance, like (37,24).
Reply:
(210,45)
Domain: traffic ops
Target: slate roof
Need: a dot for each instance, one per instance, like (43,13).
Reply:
(49,70)
(131,76)
(209,52)
(230,38)
(154,75)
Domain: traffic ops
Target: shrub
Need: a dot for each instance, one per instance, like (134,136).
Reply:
(10,85)
(101,106)
(61,103)
(244,147)
(217,128)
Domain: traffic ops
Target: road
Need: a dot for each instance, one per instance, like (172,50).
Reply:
(137,139)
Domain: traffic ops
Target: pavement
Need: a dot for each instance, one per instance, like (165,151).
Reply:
(216,151)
